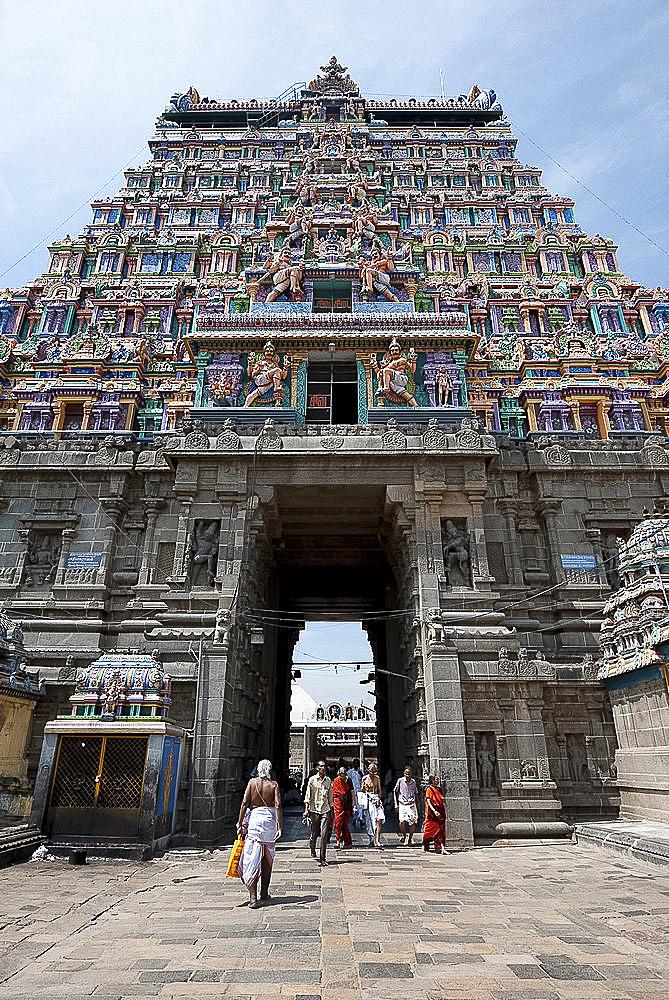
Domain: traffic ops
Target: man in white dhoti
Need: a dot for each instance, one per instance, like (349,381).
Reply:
(406,804)
(260,822)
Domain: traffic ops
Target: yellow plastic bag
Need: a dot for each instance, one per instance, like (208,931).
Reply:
(233,863)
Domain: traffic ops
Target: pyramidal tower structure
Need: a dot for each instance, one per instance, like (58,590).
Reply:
(326,355)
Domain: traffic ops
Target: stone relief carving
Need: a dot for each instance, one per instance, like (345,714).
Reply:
(42,555)
(332,442)
(577,757)
(222,630)
(485,761)
(196,438)
(202,554)
(434,438)
(529,770)
(228,439)
(393,439)
(455,550)
(269,438)
(557,455)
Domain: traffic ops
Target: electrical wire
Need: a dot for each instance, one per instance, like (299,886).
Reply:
(585,187)
(84,204)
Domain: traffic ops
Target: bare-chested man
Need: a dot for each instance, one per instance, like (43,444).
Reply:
(260,821)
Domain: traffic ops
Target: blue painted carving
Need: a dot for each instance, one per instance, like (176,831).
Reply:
(271,308)
(301,393)
(383,307)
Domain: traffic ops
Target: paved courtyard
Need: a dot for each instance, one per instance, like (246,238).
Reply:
(557,922)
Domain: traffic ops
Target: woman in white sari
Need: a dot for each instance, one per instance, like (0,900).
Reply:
(260,822)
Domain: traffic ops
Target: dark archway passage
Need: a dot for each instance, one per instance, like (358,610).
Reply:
(331,563)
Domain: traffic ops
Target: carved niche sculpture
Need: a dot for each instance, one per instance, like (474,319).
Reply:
(455,550)
(202,556)
(577,757)
(42,558)
(485,762)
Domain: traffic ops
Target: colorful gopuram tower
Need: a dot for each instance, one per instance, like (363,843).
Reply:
(326,352)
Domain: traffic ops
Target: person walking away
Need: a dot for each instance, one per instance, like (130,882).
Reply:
(374,814)
(318,807)
(435,817)
(260,822)
(405,794)
(342,793)
(354,774)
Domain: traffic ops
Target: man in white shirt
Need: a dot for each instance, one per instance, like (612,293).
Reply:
(406,804)
(318,805)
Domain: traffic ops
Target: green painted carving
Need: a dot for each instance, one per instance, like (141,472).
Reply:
(362,394)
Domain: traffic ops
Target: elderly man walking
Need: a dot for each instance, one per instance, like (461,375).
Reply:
(318,803)
(405,794)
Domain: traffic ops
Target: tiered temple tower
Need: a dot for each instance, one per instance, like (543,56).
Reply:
(333,352)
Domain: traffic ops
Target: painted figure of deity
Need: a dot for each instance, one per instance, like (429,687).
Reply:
(267,375)
(374,274)
(284,274)
(395,373)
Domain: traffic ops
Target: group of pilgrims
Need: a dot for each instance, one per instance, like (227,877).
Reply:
(351,796)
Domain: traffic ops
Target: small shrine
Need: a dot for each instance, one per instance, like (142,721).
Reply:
(19,692)
(109,773)
(635,669)
(110,688)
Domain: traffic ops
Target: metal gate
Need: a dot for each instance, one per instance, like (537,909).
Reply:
(97,787)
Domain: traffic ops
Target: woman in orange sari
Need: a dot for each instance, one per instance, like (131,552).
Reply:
(342,793)
(435,817)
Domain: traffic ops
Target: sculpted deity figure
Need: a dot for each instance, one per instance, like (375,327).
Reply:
(299,226)
(357,189)
(266,371)
(486,763)
(576,757)
(394,373)
(365,222)
(112,693)
(306,191)
(203,551)
(444,388)
(284,273)
(373,273)
(456,555)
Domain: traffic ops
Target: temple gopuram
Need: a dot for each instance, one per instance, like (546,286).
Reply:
(332,355)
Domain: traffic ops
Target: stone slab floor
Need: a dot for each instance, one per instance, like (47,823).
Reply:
(556,922)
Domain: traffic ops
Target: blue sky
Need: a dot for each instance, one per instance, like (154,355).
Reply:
(83,83)
(327,641)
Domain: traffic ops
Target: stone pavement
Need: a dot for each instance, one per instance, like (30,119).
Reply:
(555,922)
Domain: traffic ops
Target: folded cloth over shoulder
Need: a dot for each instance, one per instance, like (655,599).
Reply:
(260,842)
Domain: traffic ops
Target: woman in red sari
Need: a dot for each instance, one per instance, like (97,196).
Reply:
(342,793)
(435,816)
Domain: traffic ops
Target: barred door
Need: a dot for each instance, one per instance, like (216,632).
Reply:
(97,787)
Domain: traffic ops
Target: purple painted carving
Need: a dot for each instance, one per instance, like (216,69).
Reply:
(224,380)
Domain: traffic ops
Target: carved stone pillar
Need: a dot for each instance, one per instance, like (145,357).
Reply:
(549,509)
(470,742)
(113,508)
(481,578)
(153,507)
(68,535)
(88,409)
(513,558)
